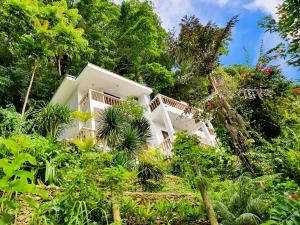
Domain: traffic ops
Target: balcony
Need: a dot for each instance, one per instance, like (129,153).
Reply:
(86,132)
(99,97)
(166,100)
(166,146)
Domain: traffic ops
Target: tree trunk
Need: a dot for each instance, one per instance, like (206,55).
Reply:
(29,88)
(236,127)
(58,58)
(116,213)
(206,200)
(116,210)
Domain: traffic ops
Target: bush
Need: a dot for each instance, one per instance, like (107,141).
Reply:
(11,122)
(151,170)
(52,119)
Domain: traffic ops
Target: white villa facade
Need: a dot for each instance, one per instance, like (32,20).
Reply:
(96,88)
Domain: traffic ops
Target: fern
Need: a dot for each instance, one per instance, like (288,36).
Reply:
(247,219)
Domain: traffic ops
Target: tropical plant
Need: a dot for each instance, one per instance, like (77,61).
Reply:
(244,207)
(11,122)
(287,26)
(151,170)
(191,158)
(52,119)
(285,211)
(116,180)
(124,129)
(16,182)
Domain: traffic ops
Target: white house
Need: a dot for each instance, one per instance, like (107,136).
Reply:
(96,88)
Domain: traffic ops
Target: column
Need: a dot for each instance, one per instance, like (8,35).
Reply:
(166,119)
(93,122)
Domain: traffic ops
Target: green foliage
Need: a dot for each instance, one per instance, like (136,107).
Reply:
(10,122)
(286,211)
(116,179)
(243,205)
(131,108)
(124,129)
(151,170)
(52,119)
(162,212)
(287,26)
(82,116)
(16,177)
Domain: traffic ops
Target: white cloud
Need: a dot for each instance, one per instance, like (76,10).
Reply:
(171,11)
(267,6)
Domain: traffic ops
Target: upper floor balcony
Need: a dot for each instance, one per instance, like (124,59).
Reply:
(170,104)
(98,97)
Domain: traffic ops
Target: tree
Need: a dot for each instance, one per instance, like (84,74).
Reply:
(197,50)
(36,36)
(141,45)
(193,163)
(66,39)
(288,27)
(116,179)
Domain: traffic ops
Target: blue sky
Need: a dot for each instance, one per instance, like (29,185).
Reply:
(245,34)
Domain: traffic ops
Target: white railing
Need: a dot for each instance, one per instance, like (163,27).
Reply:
(100,97)
(166,145)
(104,98)
(171,102)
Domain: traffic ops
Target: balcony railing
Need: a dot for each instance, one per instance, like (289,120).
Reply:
(107,99)
(166,145)
(86,132)
(171,102)
(84,101)
(100,97)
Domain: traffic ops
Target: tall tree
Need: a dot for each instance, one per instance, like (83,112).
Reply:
(287,26)
(197,50)
(141,45)
(35,37)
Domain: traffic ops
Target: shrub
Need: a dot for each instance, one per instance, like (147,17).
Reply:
(151,170)
(11,121)
(52,119)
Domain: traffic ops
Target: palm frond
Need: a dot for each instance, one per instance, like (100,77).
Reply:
(110,124)
(258,207)
(247,219)
(142,125)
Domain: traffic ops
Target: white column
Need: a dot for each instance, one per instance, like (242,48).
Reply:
(144,100)
(166,119)
(93,122)
(207,134)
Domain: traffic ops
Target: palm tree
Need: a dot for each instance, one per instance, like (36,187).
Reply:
(126,135)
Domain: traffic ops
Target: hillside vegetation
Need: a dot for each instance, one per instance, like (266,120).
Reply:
(250,177)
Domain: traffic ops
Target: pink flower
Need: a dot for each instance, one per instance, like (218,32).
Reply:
(294,196)
(269,70)
(209,106)
(261,67)
(296,91)
(219,84)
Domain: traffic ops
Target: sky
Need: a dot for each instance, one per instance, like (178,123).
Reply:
(246,34)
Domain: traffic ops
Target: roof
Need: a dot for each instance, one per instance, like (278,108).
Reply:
(97,78)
